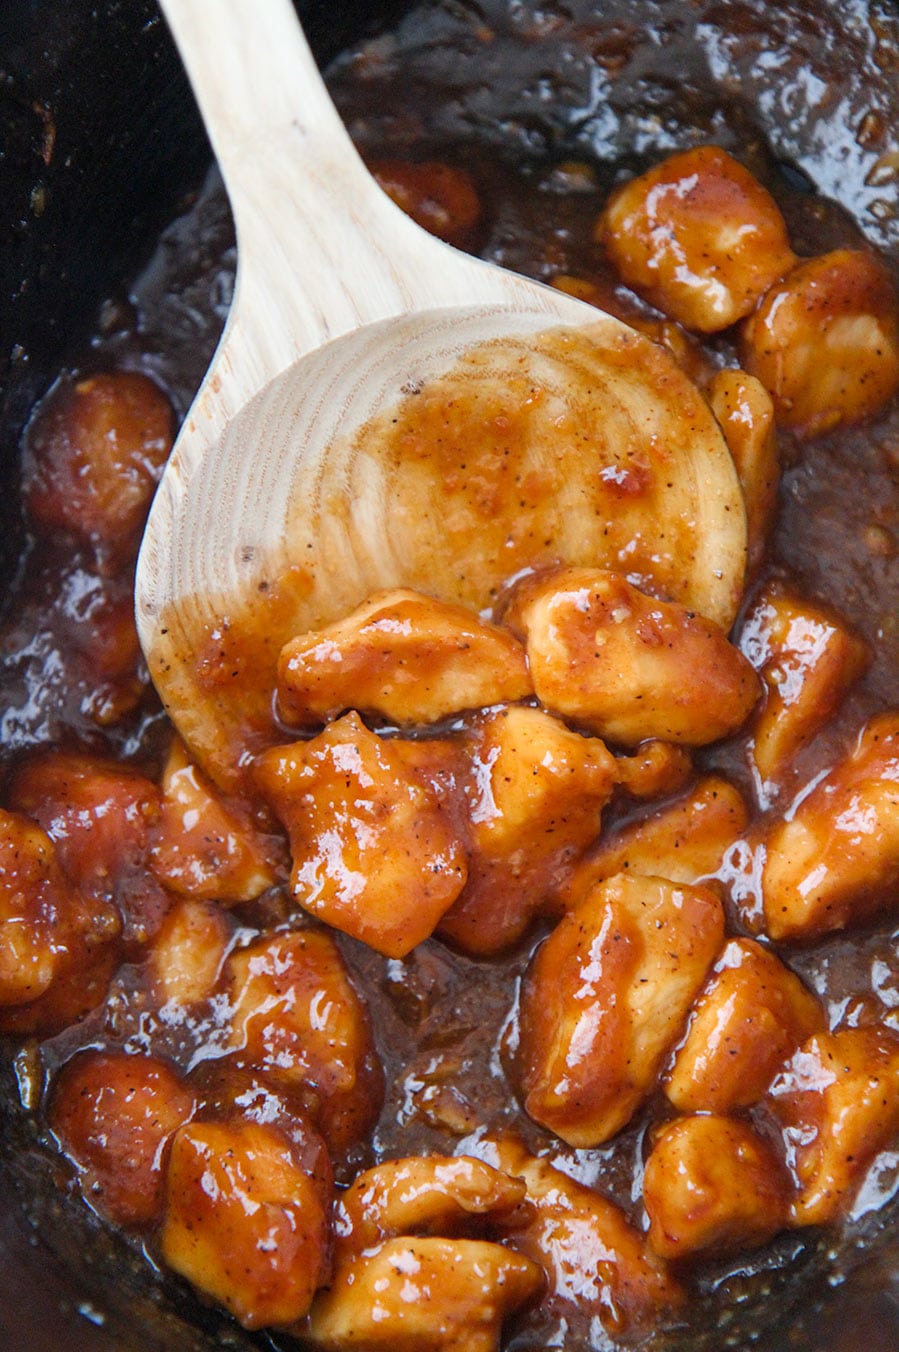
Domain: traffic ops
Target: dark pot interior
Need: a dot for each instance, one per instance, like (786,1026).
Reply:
(101,146)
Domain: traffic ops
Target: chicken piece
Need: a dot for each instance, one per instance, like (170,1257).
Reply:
(627,666)
(87,670)
(654,770)
(684,841)
(712,1185)
(94,455)
(439,197)
(100,815)
(838,1104)
(422,1295)
(373,853)
(297,1018)
(186,955)
(535,794)
(825,342)
(434,1194)
(594,1257)
(745,410)
(205,847)
(605,997)
(57,949)
(34,895)
(750,1018)
(808,658)
(405,657)
(114,1116)
(835,860)
(243,1222)
(227,1092)
(697,236)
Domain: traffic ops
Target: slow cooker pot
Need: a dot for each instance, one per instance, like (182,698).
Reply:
(101,146)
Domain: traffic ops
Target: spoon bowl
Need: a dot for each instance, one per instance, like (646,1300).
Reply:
(386,411)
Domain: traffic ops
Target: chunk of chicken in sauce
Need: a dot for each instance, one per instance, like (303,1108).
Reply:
(749,1019)
(684,841)
(373,853)
(186,956)
(405,657)
(297,1017)
(93,459)
(433,1195)
(57,948)
(713,1185)
(808,658)
(101,816)
(425,1294)
(834,861)
(606,996)
(534,797)
(825,342)
(628,666)
(244,1222)
(440,197)
(114,1115)
(205,847)
(837,1101)
(593,1254)
(745,411)
(698,236)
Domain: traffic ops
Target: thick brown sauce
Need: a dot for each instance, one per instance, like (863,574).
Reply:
(513,91)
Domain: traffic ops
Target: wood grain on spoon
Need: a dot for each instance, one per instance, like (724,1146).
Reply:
(385,411)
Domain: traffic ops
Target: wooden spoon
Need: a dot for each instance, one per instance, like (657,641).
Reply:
(383,410)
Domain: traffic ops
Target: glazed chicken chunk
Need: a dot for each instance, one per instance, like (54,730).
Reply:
(712,1185)
(698,236)
(684,841)
(825,342)
(807,658)
(56,949)
(594,1257)
(838,1102)
(187,953)
(605,997)
(95,456)
(204,847)
(745,410)
(244,1222)
(401,1240)
(296,1016)
(433,1194)
(101,817)
(750,1018)
(403,656)
(373,853)
(627,666)
(114,1116)
(835,860)
(440,197)
(534,796)
(425,1294)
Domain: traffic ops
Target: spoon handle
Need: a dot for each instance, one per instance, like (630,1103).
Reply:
(321,249)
